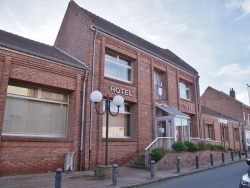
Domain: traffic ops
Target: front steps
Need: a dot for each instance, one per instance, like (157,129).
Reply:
(137,162)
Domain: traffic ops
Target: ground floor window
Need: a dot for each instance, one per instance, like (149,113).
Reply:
(236,134)
(119,126)
(208,131)
(32,111)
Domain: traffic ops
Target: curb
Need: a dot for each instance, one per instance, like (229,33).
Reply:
(181,174)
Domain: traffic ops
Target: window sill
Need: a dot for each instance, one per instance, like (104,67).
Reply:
(125,139)
(34,139)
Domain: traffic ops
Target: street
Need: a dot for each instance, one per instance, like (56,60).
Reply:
(226,176)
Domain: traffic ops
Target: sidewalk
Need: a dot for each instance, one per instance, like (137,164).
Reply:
(127,177)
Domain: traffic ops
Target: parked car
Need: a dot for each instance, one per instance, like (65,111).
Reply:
(245,179)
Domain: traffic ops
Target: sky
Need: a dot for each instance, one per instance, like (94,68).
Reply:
(213,36)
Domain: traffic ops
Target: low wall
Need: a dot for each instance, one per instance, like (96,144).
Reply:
(188,158)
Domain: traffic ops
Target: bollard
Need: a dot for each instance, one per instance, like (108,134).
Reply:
(239,154)
(114,174)
(197,162)
(246,153)
(58,178)
(223,157)
(152,169)
(178,165)
(232,155)
(212,159)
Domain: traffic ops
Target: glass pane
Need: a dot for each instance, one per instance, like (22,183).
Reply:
(177,121)
(30,117)
(53,96)
(118,125)
(110,57)
(16,90)
(117,71)
(124,62)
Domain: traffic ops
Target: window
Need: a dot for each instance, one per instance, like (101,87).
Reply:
(184,90)
(249,119)
(31,111)
(224,132)
(119,126)
(160,93)
(236,134)
(244,116)
(208,131)
(118,68)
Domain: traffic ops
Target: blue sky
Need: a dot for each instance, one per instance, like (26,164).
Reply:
(213,36)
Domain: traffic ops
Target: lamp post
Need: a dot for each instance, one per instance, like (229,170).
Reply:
(96,97)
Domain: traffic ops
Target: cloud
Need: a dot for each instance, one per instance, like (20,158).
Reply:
(242,5)
(232,70)
(180,27)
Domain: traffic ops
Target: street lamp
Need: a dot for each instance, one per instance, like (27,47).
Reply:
(96,97)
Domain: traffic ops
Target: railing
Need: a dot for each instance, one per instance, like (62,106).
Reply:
(165,142)
(209,141)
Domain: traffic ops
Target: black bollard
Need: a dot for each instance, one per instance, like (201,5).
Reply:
(223,157)
(114,174)
(239,154)
(178,165)
(246,153)
(152,169)
(197,162)
(212,159)
(232,155)
(58,178)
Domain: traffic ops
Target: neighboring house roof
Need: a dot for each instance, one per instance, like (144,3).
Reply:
(208,111)
(112,29)
(246,106)
(21,44)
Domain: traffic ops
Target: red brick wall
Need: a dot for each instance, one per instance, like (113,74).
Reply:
(22,155)
(76,38)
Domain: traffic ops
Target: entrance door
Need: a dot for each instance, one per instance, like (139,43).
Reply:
(161,129)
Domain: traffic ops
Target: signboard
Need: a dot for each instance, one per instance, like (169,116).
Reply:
(120,91)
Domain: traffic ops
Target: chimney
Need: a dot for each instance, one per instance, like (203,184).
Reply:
(232,93)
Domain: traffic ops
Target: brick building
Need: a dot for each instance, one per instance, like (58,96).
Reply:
(231,107)
(41,91)
(220,129)
(161,91)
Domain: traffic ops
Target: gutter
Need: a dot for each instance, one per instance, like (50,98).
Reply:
(91,106)
(83,117)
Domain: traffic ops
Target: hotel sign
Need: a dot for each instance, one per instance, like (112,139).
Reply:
(120,91)
(188,107)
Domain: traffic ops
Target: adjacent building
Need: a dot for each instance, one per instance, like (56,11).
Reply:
(228,105)
(41,91)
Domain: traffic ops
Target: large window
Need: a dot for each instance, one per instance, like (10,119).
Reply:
(118,68)
(185,90)
(31,111)
(119,126)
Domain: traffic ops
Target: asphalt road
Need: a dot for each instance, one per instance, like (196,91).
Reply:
(227,176)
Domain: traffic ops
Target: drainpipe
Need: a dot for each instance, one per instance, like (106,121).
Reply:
(199,105)
(91,106)
(83,112)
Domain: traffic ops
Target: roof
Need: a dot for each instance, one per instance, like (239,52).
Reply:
(208,111)
(21,44)
(246,106)
(172,111)
(112,29)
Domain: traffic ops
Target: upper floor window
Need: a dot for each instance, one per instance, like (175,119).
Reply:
(160,91)
(244,116)
(117,68)
(185,90)
(31,111)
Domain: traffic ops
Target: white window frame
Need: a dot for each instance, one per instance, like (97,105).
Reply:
(182,86)
(38,98)
(119,64)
